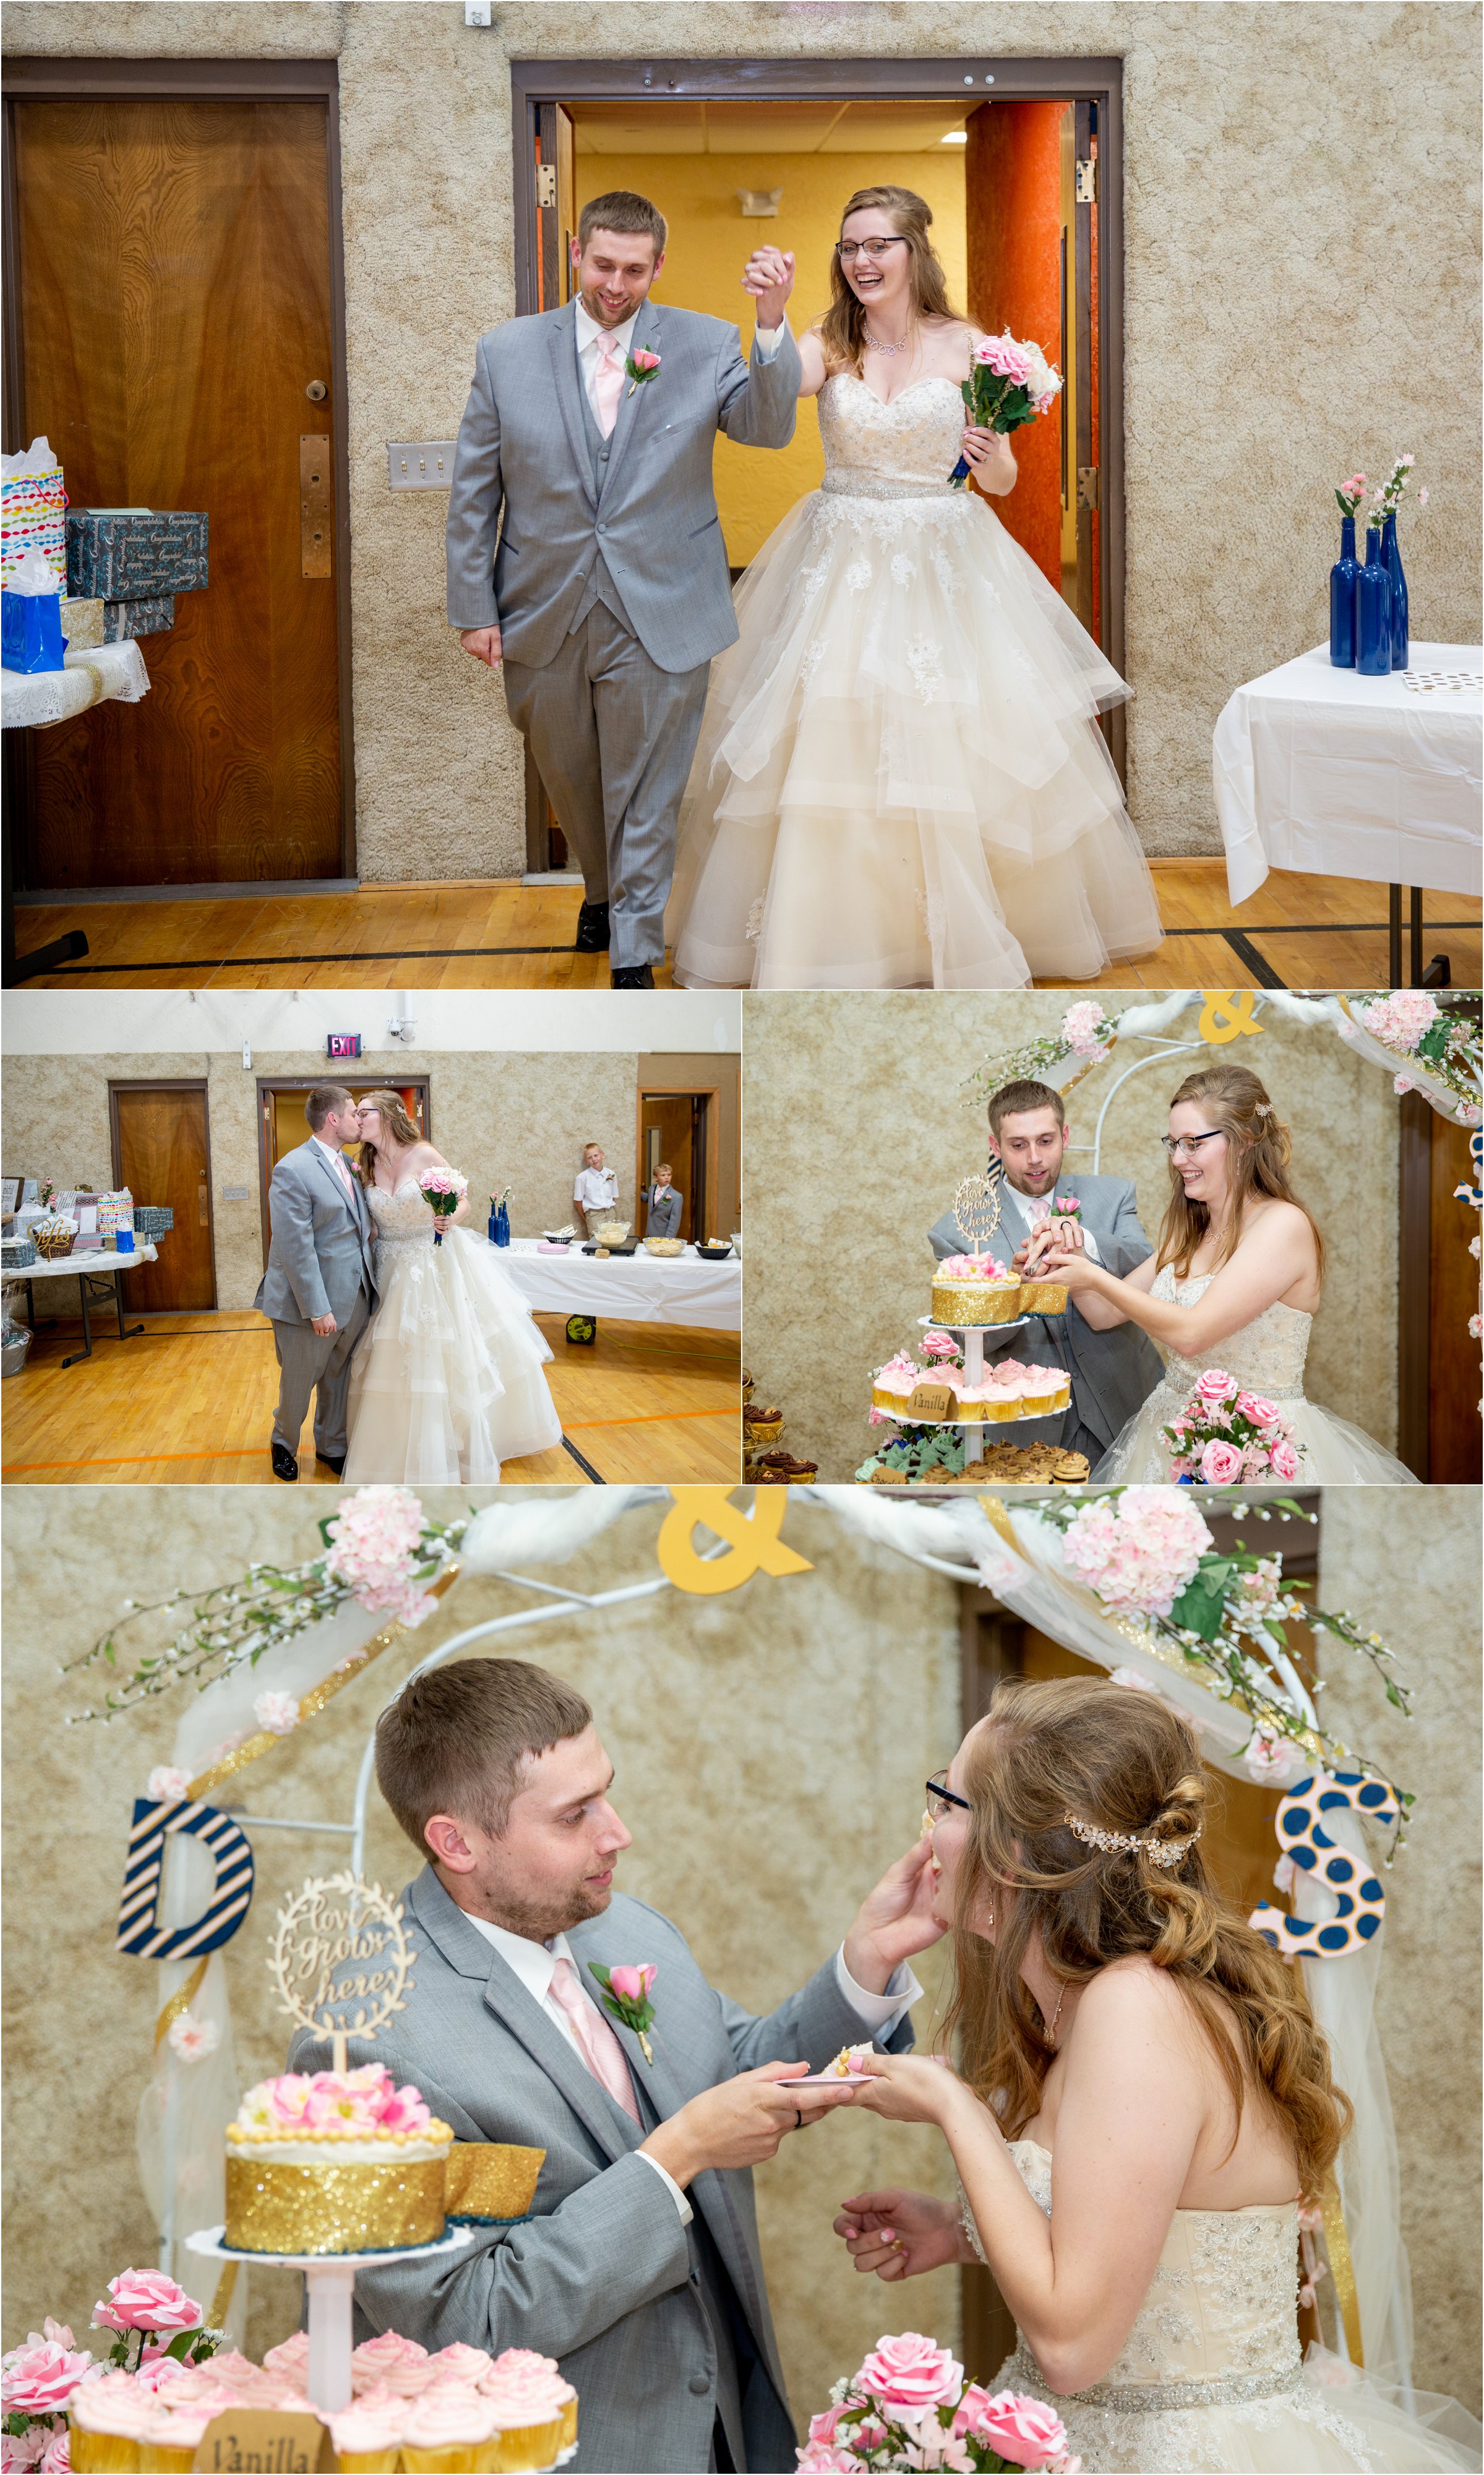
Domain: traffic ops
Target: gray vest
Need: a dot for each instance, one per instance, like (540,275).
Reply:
(600,585)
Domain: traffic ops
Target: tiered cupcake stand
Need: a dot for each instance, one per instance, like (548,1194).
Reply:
(1031,1428)
(330,2280)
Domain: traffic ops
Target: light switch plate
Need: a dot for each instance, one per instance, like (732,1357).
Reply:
(421,463)
(236,1194)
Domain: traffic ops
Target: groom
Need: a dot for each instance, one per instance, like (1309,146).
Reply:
(606,592)
(638,2266)
(1112,1372)
(319,1287)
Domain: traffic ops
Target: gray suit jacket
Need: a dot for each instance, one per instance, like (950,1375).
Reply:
(1112,1372)
(663,1219)
(322,1236)
(523,450)
(602,2273)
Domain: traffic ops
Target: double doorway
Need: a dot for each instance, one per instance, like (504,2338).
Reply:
(1021,162)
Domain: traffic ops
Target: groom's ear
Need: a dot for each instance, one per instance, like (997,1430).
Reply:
(446,1844)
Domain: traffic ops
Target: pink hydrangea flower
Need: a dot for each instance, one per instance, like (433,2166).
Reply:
(1137,1550)
(142,2298)
(911,2371)
(1085,1027)
(166,1785)
(1400,1019)
(376,1540)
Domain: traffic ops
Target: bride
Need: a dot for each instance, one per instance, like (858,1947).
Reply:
(446,1383)
(899,782)
(1163,2107)
(1234,1283)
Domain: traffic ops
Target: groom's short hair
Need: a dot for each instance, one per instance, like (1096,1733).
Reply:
(455,1740)
(1015,1099)
(621,211)
(322,1100)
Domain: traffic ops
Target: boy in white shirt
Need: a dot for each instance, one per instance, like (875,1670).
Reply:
(596,1188)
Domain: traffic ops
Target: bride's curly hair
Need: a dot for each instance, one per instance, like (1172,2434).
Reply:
(1259,1150)
(1125,1763)
(841,331)
(401,1127)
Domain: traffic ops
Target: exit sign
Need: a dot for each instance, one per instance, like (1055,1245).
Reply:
(343,1043)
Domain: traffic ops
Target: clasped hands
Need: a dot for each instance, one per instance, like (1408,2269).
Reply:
(1056,1252)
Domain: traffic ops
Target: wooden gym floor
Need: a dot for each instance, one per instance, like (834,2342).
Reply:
(1305,932)
(190,1401)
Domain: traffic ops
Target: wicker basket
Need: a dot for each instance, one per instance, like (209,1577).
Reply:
(53,1239)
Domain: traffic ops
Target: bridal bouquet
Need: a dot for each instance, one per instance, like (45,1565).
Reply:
(1224,1437)
(909,2406)
(444,1190)
(1007,385)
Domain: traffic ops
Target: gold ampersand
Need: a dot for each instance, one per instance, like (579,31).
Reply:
(1225,1012)
(752,1537)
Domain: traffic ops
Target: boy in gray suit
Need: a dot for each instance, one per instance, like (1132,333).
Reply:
(638,2266)
(1112,1372)
(663,1205)
(319,1287)
(608,590)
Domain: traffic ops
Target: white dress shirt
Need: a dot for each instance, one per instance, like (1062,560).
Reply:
(590,352)
(534,1963)
(596,1190)
(1016,1212)
(337,1160)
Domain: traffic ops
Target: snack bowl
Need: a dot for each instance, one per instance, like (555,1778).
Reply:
(665,1245)
(715,1250)
(611,1232)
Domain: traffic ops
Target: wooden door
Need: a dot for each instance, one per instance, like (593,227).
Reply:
(175,307)
(674,1129)
(160,1153)
(1453,1434)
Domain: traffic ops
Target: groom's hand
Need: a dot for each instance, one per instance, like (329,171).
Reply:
(895,1921)
(482,642)
(768,276)
(740,2122)
(324,1325)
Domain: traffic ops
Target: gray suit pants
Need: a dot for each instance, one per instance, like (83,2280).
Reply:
(613,736)
(308,1363)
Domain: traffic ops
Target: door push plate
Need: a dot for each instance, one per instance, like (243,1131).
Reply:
(1088,485)
(315,523)
(1085,192)
(546,184)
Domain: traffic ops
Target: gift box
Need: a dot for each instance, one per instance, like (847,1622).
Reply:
(136,555)
(149,616)
(153,1219)
(82,623)
(31,631)
(32,510)
(16,1254)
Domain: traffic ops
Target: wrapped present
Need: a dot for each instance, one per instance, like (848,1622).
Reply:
(33,511)
(16,1254)
(136,554)
(82,623)
(31,617)
(151,616)
(115,1211)
(153,1219)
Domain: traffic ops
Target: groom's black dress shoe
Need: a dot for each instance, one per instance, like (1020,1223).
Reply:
(329,1460)
(632,975)
(285,1464)
(591,936)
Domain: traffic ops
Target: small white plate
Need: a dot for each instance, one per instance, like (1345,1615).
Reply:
(931,1323)
(831,2079)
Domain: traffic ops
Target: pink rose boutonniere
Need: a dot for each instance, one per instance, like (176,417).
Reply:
(626,1992)
(640,367)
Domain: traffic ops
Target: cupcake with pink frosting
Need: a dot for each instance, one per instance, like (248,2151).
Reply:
(366,2435)
(108,2419)
(175,2431)
(400,2364)
(450,2430)
(459,2362)
(535,2409)
(291,2360)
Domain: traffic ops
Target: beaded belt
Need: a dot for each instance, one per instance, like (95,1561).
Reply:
(405,1237)
(1162,2397)
(1180,1387)
(868,485)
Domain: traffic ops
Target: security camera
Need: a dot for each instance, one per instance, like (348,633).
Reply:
(402,1027)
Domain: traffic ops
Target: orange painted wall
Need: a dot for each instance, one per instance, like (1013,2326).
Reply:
(1013,201)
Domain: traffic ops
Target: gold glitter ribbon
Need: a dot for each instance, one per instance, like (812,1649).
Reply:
(179,2002)
(221,2300)
(993,1510)
(310,2210)
(1341,2268)
(487,2178)
(312,1702)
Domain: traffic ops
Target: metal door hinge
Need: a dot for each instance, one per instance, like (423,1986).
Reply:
(546,184)
(1088,485)
(315,524)
(1086,189)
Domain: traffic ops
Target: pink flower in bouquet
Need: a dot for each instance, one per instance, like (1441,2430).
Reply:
(1005,357)
(1283,1461)
(1221,1465)
(632,1984)
(167,1786)
(824,2427)
(1402,1084)
(940,1344)
(1400,1020)
(22,2451)
(57,2457)
(1273,1759)
(276,1712)
(826,2458)
(404,2109)
(1138,1549)
(376,1541)
(39,2377)
(911,2371)
(1263,1589)
(1085,1027)
(142,2298)
(157,2371)
(1021,2429)
(1261,1411)
(191,2040)
(1216,1384)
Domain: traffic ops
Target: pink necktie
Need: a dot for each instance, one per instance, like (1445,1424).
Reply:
(608,386)
(344,1175)
(604,2055)
(1038,1209)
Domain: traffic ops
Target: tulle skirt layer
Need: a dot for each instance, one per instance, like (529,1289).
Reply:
(447,1382)
(1334,2417)
(899,781)
(1334,1452)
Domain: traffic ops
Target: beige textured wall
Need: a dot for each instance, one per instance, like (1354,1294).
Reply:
(1410,1568)
(764,1798)
(1298,199)
(857,1135)
(505,1119)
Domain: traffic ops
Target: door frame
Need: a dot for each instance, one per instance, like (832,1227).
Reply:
(169,1083)
(685,1088)
(266,1083)
(1058,79)
(59,80)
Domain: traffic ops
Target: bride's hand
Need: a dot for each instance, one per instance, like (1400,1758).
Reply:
(907,2088)
(1071,1269)
(900,2233)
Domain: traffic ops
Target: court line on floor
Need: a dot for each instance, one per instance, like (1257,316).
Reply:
(270,962)
(583,1463)
(245,1452)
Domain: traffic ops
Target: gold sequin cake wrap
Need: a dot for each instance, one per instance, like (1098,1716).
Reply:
(963,1303)
(307,2208)
(1042,1297)
(489,2178)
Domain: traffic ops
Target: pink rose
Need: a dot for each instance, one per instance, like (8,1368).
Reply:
(824,2458)
(157,2371)
(940,1344)
(644,360)
(1283,1461)
(1020,2429)
(56,2458)
(141,2299)
(405,2109)
(1262,1413)
(632,1984)
(1006,357)
(39,2377)
(1221,1465)
(1215,1385)
(824,2427)
(911,2371)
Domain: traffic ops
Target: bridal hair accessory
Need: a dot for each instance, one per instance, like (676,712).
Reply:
(1160,1851)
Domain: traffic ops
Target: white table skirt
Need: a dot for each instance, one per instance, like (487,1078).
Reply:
(1326,771)
(32,699)
(99,1260)
(628,1288)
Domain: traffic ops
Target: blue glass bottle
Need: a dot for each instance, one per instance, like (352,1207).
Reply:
(1391,560)
(499,1224)
(1373,612)
(1342,599)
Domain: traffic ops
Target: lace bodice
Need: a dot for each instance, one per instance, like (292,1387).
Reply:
(404,1216)
(1267,1356)
(888,450)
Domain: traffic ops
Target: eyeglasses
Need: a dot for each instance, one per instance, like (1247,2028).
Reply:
(1185,1146)
(941,1798)
(848,250)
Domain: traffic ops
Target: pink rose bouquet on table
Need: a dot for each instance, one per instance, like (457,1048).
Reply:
(444,1190)
(909,2406)
(1008,385)
(1224,1437)
(157,2332)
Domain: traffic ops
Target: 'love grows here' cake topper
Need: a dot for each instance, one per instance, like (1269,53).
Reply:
(340,1959)
(976,1208)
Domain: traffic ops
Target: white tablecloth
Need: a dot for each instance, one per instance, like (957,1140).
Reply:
(98,1259)
(1323,770)
(630,1289)
(30,700)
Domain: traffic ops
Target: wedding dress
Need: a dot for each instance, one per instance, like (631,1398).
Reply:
(1210,2376)
(899,782)
(1265,1356)
(446,1383)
